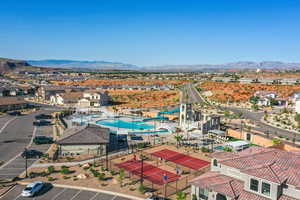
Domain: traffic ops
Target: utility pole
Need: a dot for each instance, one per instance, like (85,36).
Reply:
(142,169)
(26,175)
(106,153)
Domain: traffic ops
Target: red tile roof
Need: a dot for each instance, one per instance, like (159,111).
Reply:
(228,186)
(266,163)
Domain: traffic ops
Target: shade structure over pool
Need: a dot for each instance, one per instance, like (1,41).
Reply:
(181,159)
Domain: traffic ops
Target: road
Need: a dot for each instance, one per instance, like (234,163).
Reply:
(193,94)
(254,116)
(17,134)
(57,193)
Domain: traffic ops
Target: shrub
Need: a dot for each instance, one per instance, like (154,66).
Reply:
(181,196)
(50,169)
(94,172)
(66,177)
(86,168)
(51,178)
(228,149)
(101,176)
(65,170)
(142,189)
(276,141)
(204,149)
(69,158)
(121,176)
(112,172)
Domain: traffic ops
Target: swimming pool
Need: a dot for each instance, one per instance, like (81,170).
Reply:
(219,148)
(125,124)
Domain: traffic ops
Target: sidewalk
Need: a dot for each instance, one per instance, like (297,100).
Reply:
(90,189)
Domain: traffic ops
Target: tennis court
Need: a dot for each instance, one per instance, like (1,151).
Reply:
(181,159)
(150,172)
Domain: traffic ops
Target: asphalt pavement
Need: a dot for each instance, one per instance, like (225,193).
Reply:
(254,116)
(57,193)
(14,137)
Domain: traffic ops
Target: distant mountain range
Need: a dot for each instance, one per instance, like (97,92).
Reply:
(7,65)
(104,65)
(233,65)
(78,64)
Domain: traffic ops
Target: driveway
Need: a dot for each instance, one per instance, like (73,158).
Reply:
(57,193)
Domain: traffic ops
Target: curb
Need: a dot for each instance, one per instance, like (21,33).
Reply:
(8,190)
(91,189)
(264,122)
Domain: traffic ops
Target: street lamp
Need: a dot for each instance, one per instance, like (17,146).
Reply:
(142,168)
(106,153)
(26,175)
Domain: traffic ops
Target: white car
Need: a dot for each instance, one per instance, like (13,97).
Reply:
(32,188)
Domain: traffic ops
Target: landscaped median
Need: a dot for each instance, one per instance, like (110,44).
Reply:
(90,176)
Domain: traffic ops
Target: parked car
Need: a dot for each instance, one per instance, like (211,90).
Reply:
(32,188)
(31,153)
(43,116)
(41,123)
(43,140)
(14,113)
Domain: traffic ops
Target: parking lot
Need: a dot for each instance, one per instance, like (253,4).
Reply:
(56,193)
(14,138)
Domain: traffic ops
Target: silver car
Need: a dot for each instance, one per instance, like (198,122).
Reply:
(32,188)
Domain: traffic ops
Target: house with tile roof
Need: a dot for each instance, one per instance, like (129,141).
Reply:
(256,173)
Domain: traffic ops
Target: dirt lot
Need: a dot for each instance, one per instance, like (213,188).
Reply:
(239,92)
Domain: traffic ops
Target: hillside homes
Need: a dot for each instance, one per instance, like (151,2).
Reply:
(256,173)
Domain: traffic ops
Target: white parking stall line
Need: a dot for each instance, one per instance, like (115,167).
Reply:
(17,197)
(14,158)
(114,197)
(93,197)
(75,195)
(58,194)
(6,124)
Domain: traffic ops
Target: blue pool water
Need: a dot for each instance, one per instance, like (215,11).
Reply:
(124,124)
(219,148)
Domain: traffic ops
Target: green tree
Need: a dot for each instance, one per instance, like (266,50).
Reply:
(181,196)
(121,176)
(178,139)
(276,141)
(254,99)
(194,197)
(50,169)
(273,102)
(228,149)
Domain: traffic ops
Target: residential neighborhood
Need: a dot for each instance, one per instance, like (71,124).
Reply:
(150,100)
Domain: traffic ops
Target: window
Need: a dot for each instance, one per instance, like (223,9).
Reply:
(221,197)
(215,163)
(203,193)
(265,188)
(254,185)
(248,137)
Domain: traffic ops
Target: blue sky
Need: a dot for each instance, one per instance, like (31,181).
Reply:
(151,32)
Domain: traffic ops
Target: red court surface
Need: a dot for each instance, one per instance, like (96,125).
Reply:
(181,159)
(151,173)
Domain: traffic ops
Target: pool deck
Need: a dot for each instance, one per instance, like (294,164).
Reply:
(108,115)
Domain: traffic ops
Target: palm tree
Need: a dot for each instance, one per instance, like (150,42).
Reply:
(178,139)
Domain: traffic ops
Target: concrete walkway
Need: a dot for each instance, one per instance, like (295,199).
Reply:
(91,189)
